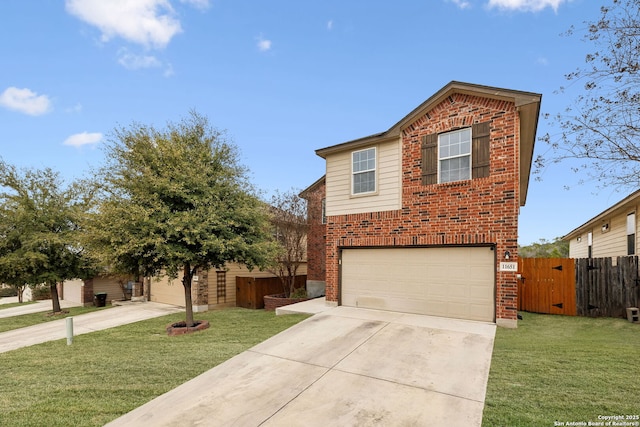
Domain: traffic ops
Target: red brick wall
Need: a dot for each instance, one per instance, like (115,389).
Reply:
(474,212)
(316,235)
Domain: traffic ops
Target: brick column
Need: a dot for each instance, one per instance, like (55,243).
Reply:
(200,291)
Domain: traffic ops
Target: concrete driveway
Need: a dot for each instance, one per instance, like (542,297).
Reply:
(342,367)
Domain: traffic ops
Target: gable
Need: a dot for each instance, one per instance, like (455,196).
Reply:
(525,105)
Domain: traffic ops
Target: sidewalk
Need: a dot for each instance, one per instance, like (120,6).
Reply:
(82,324)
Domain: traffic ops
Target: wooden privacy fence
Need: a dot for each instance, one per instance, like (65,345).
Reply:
(250,291)
(604,289)
(583,287)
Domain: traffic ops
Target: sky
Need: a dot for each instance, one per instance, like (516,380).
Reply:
(282,78)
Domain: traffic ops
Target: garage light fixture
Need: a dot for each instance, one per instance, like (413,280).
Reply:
(507,254)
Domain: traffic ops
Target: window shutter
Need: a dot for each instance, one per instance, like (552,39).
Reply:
(480,150)
(430,159)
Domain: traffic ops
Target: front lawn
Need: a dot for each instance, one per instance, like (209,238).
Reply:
(105,374)
(559,369)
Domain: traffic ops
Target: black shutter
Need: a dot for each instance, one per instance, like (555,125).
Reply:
(480,150)
(430,159)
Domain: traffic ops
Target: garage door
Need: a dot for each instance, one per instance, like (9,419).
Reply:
(450,282)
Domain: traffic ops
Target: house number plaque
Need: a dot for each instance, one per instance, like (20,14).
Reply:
(509,266)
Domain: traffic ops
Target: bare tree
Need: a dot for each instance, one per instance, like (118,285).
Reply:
(289,220)
(601,128)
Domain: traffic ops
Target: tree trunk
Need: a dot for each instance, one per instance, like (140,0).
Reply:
(20,290)
(186,282)
(54,297)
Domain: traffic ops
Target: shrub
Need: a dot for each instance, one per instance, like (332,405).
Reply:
(299,293)
(40,292)
(8,291)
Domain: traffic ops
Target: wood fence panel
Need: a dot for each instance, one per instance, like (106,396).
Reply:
(244,286)
(605,289)
(547,285)
(250,291)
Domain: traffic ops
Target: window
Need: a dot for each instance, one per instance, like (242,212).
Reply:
(221,286)
(454,155)
(631,233)
(589,244)
(363,171)
(458,155)
(324,211)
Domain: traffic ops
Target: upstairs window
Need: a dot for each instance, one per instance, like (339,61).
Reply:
(458,155)
(631,233)
(454,155)
(363,166)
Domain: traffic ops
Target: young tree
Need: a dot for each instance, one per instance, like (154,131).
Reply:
(290,226)
(177,199)
(39,220)
(602,127)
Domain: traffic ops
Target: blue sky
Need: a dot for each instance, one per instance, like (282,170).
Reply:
(282,77)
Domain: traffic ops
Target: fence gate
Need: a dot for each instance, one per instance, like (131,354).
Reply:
(547,285)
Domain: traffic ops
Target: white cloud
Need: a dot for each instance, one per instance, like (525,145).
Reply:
(330,25)
(84,138)
(198,4)
(263,44)
(25,101)
(462,4)
(132,61)
(151,23)
(526,5)
(168,71)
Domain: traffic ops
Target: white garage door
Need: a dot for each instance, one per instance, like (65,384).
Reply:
(449,282)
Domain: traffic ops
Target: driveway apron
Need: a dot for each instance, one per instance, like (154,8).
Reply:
(345,366)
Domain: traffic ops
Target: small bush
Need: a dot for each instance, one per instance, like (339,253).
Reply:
(299,293)
(8,291)
(41,292)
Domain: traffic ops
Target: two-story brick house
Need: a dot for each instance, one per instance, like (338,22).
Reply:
(423,218)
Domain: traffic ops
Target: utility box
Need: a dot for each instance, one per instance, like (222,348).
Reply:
(633,314)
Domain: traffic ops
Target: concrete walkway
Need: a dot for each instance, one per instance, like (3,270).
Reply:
(82,324)
(342,367)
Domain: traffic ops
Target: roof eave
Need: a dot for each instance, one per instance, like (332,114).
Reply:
(633,197)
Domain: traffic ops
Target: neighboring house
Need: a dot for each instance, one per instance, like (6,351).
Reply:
(83,291)
(612,233)
(423,218)
(212,289)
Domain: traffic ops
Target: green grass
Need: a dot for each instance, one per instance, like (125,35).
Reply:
(565,369)
(16,304)
(105,374)
(22,321)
